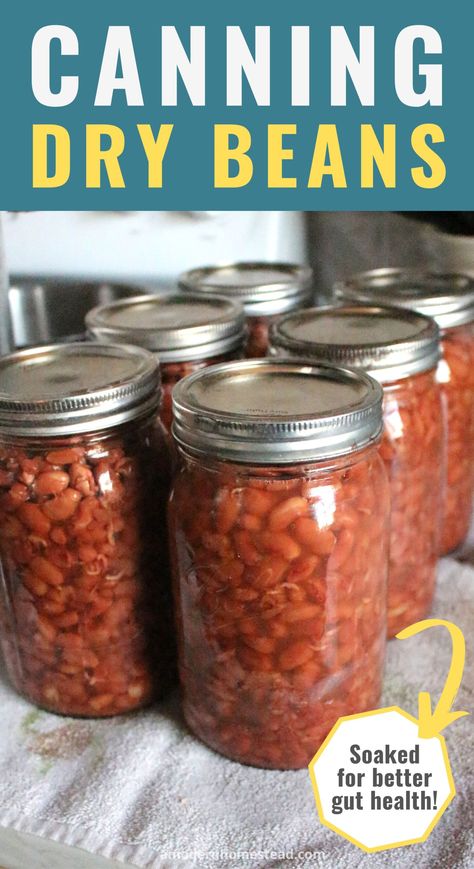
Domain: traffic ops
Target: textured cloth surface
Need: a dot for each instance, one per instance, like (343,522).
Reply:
(141,789)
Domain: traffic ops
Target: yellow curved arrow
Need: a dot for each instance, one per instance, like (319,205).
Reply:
(432,723)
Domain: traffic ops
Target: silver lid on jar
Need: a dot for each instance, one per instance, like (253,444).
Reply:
(388,343)
(179,328)
(448,298)
(276,412)
(76,388)
(264,288)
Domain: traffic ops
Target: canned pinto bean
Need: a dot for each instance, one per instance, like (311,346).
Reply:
(187,333)
(85,598)
(266,290)
(401,350)
(449,299)
(280,568)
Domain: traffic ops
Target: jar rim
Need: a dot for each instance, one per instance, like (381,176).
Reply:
(264,288)
(275,411)
(63,389)
(175,326)
(387,342)
(447,298)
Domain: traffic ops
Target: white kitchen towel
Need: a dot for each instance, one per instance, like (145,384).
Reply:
(142,790)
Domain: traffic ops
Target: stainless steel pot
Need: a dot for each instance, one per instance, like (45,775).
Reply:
(44,311)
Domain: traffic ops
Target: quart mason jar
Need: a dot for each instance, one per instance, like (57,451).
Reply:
(280,567)
(187,333)
(401,350)
(449,299)
(85,596)
(266,290)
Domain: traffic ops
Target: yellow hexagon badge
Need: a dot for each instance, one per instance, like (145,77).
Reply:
(377,783)
(382,779)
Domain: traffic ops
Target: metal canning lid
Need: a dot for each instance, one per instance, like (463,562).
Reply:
(76,388)
(276,412)
(448,298)
(179,328)
(389,343)
(264,288)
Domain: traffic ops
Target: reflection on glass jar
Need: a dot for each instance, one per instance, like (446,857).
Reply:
(280,574)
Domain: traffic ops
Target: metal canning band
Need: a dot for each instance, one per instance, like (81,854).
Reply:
(388,343)
(448,298)
(76,388)
(276,411)
(179,328)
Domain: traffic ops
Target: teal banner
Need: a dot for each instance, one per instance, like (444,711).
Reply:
(186,106)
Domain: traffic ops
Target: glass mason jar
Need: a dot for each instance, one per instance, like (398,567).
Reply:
(187,333)
(280,575)
(401,350)
(85,596)
(266,291)
(449,299)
